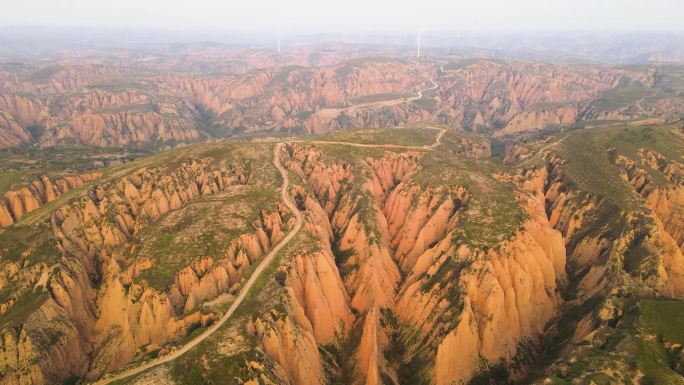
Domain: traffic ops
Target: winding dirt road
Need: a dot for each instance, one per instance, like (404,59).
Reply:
(419,94)
(437,142)
(333,112)
(541,151)
(640,107)
(287,199)
(438,138)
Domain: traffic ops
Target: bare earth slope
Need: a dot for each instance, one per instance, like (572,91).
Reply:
(414,244)
(133,105)
(493,222)
(287,200)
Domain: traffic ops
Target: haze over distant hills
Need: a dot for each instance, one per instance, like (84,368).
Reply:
(615,47)
(273,208)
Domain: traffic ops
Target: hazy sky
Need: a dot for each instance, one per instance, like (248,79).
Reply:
(349,15)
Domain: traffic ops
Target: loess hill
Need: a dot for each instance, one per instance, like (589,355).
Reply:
(419,262)
(146,100)
(517,223)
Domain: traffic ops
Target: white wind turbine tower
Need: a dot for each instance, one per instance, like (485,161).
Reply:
(418,50)
(278,57)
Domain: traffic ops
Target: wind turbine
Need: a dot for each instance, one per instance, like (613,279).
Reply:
(418,49)
(278,57)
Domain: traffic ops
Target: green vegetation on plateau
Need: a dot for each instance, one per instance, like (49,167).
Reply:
(409,136)
(587,160)
(660,322)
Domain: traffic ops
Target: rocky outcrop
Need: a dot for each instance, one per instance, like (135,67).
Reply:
(477,308)
(616,253)
(128,128)
(516,153)
(401,251)
(50,342)
(540,118)
(282,104)
(663,239)
(17,113)
(99,101)
(206,279)
(318,307)
(319,301)
(176,107)
(152,319)
(489,94)
(17,203)
(369,355)
(218,93)
(12,134)
(483,95)
(386,277)
(366,276)
(25,110)
(144,319)
(293,348)
(508,297)
(88,315)
(665,200)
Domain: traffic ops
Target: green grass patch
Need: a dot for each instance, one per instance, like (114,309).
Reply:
(206,364)
(9,180)
(349,66)
(629,139)
(621,96)
(467,62)
(35,243)
(304,115)
(140,107)
(588,165)
(22,165)
(492,212)
(427,104)
(663,318)
(44,74)
(219,370)
(661,321)
(27,303)
(36,130)
(654,363)
(206,120)
(589,168)
(405,136)
(379,97)
(203,228)
(280,77)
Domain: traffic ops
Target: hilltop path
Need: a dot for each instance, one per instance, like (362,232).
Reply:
(287,199)
(332,112)
(437,142)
